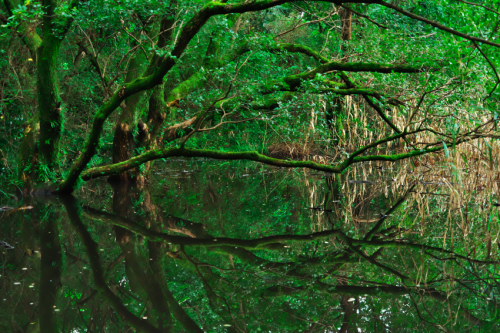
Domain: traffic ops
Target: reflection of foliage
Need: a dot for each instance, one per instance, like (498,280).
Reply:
(264,270)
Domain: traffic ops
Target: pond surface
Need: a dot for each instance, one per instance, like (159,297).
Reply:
(237,247)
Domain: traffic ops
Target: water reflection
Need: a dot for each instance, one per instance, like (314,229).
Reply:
(246,250)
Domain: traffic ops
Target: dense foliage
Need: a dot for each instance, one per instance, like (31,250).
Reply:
(92,89)
(100,88)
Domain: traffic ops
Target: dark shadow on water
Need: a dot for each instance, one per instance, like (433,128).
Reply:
(223,252)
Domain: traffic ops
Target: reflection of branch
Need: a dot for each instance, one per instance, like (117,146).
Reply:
(114,263)
(377,291)
(288,272)
(91,248)
(423,319)
(339,290)
(264,243)
(419,247)
(157,254)
(295,316)
(205,283)
(270,242)
(374,262)
(380,223)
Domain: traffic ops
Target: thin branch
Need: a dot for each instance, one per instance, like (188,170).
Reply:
(307,23)
(202,118)
(232,122)
(434,23)
(492,67)
(364,16)
(139,43)
(480,5)
(369,100)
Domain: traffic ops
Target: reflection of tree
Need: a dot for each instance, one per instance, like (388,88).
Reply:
(377,277)
(255,280)
(147,279)
(30,271)
(50,271)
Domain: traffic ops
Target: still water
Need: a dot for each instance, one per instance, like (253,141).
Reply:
(238,247)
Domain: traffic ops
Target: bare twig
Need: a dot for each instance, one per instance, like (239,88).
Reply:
(480,5)
(307,23)
(491,65)
(202,118)
(365,16)
(233,122)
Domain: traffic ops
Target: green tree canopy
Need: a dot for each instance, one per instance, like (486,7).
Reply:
(101,88)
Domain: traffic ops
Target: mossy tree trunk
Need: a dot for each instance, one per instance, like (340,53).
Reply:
(49,102)
(28,156)
(157,108)
(123,141)
(42,134)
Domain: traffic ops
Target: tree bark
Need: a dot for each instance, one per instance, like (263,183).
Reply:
(49,101)
(123,140)
(28,156)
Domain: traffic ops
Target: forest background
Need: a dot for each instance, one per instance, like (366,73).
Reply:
(100,88)
(103,89)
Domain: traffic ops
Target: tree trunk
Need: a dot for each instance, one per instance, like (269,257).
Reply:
(157,108)
(123,141)
(43,131)
(148,132)
(346,18)
(28,156)
(49,102)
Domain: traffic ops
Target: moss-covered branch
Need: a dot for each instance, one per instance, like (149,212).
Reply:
(371,102)
(298,48)
(349,83)
(113,169)
(166,63)
(292,82)
(28,33)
